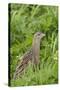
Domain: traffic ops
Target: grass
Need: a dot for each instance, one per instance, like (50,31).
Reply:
(25,21)
(46,75)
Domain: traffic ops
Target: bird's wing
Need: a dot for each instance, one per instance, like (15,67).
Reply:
(24,62)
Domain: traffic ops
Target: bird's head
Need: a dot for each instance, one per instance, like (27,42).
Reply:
(39,35)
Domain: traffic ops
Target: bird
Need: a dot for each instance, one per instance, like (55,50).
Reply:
(31,55)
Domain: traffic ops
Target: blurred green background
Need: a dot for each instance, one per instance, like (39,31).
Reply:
(24,21)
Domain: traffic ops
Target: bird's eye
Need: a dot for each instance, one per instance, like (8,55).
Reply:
(38,34)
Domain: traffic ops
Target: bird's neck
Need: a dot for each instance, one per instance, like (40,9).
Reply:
(36,50)
(36,43)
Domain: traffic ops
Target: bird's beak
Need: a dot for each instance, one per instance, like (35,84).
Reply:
(43,34)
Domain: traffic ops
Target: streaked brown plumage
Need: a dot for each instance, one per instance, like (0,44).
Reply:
(32,55)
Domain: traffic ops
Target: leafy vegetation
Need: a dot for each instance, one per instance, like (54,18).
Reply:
(25,20)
